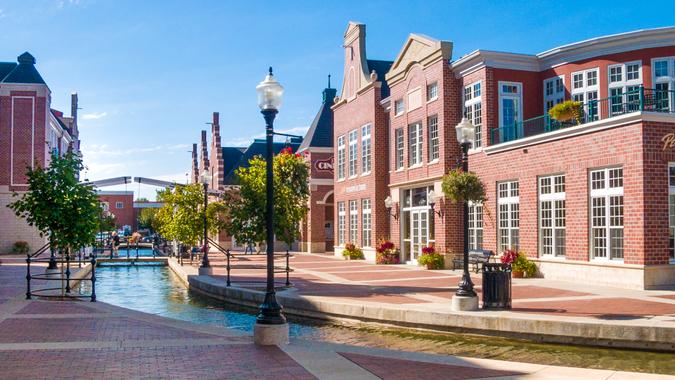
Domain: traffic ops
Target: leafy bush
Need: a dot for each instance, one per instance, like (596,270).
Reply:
(20,247)
(386,253)
(352,252)
(461,186)
(431,259)
(566,111)
(522,264)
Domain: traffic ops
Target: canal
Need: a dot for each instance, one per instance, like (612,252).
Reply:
(157,290)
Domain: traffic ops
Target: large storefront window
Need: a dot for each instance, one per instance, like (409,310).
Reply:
(417,223)
(366,223)
(341,223)
(353,221)
(552,215)
(509,215)
(671,212)
(607,214)
(475,225)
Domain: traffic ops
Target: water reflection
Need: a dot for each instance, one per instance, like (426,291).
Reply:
(157,290)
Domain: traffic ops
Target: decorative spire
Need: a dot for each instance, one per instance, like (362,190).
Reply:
(328,80)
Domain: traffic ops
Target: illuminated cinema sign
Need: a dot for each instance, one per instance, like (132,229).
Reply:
(324,165)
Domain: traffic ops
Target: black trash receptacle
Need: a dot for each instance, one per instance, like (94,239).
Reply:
(496,286)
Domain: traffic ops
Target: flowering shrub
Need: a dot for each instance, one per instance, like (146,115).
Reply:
(386,253)
(519,263)
(509,256)
(352,252)
(431,258)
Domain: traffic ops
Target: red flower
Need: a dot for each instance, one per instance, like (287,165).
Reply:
(509,256)
(428,250)
(287,150)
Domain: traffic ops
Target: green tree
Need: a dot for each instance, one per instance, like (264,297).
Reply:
(59,206)
(246,206)
(146,218)
(182,216)
(107,222)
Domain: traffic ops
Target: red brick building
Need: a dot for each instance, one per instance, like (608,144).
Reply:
(30,131)
(121,205)
(591,200)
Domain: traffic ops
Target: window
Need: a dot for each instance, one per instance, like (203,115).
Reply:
(119,204)
(341,157)
(434,149)
(432,91)
(554,92)
(607,214)
(585,90)
(353,221)
(473,110)
(353,138)
(399,107)
(366,223)
(415,144)
(365,149)
(663,77)
(399,147)
(510,110)
(508,201)
(341,223)
(552,215)
(671,212)
(624,86)
(475,225)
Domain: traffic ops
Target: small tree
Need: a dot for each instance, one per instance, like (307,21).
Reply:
(246,222)
(146,218)
(58,205)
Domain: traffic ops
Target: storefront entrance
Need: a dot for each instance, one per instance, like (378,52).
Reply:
(416,223)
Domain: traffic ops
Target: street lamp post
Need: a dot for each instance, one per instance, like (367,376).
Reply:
(465,298)
(270,327)
(205,268)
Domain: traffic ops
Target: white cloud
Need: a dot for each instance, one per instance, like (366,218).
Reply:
(94,116)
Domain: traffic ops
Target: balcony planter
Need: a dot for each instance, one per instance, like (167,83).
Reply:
(566,112)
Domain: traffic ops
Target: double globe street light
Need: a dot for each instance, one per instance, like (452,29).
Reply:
(270,327)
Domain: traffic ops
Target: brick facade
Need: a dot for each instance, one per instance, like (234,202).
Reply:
(125,214)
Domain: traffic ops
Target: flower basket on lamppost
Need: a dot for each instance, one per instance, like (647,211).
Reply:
(270,327)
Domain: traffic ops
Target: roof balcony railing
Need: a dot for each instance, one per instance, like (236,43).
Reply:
(640,99)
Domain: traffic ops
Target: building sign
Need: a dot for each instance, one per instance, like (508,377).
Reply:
(668,141)
(324,165)
(355,188)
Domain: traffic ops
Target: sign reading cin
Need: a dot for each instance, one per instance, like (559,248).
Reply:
(324,165)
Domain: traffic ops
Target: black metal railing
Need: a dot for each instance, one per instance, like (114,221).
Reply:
(58,269)
(230,256)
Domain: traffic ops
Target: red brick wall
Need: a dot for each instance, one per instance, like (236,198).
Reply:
(125,215)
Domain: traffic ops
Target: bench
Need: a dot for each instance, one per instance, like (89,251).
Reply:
(477,257)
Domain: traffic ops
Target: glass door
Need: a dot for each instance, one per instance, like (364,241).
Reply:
(510,110)
(419,233)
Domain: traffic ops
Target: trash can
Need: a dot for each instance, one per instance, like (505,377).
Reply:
(496,286)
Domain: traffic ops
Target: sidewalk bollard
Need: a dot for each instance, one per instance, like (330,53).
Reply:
(227,253)
(28,277)
(93,278)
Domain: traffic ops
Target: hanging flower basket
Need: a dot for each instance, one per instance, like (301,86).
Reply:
(461,186)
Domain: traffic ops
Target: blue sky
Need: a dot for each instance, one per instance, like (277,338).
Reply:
(150,73)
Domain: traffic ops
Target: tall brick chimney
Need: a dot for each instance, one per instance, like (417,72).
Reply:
(204,159)
(195,164)
(217,163)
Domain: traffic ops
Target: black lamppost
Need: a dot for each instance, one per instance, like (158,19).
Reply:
(465,298)
(205,268)
(270,327)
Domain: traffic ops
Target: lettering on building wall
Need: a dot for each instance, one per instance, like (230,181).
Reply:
(324,165)
(355,188)
(668,141)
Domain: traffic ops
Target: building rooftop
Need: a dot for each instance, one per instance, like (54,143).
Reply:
(23,72)
(257,148)
(320,132)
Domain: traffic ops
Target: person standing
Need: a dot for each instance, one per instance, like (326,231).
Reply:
(115,243)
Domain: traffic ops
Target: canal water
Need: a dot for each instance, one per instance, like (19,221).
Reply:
(157,290)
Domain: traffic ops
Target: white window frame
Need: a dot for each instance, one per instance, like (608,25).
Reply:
(366,223)
(399,107)
(341,223)
(353,221)
(119,205)
(669,79)
(511,202)
(671,213)
(606,193)
(341,147)
(587,93)
(366,149)
(353,153)
(556,96)
(399,152)
(415,144)
(555,196)
(434,153)
(430,96)
(473,110)
(622,85)
(475,226)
